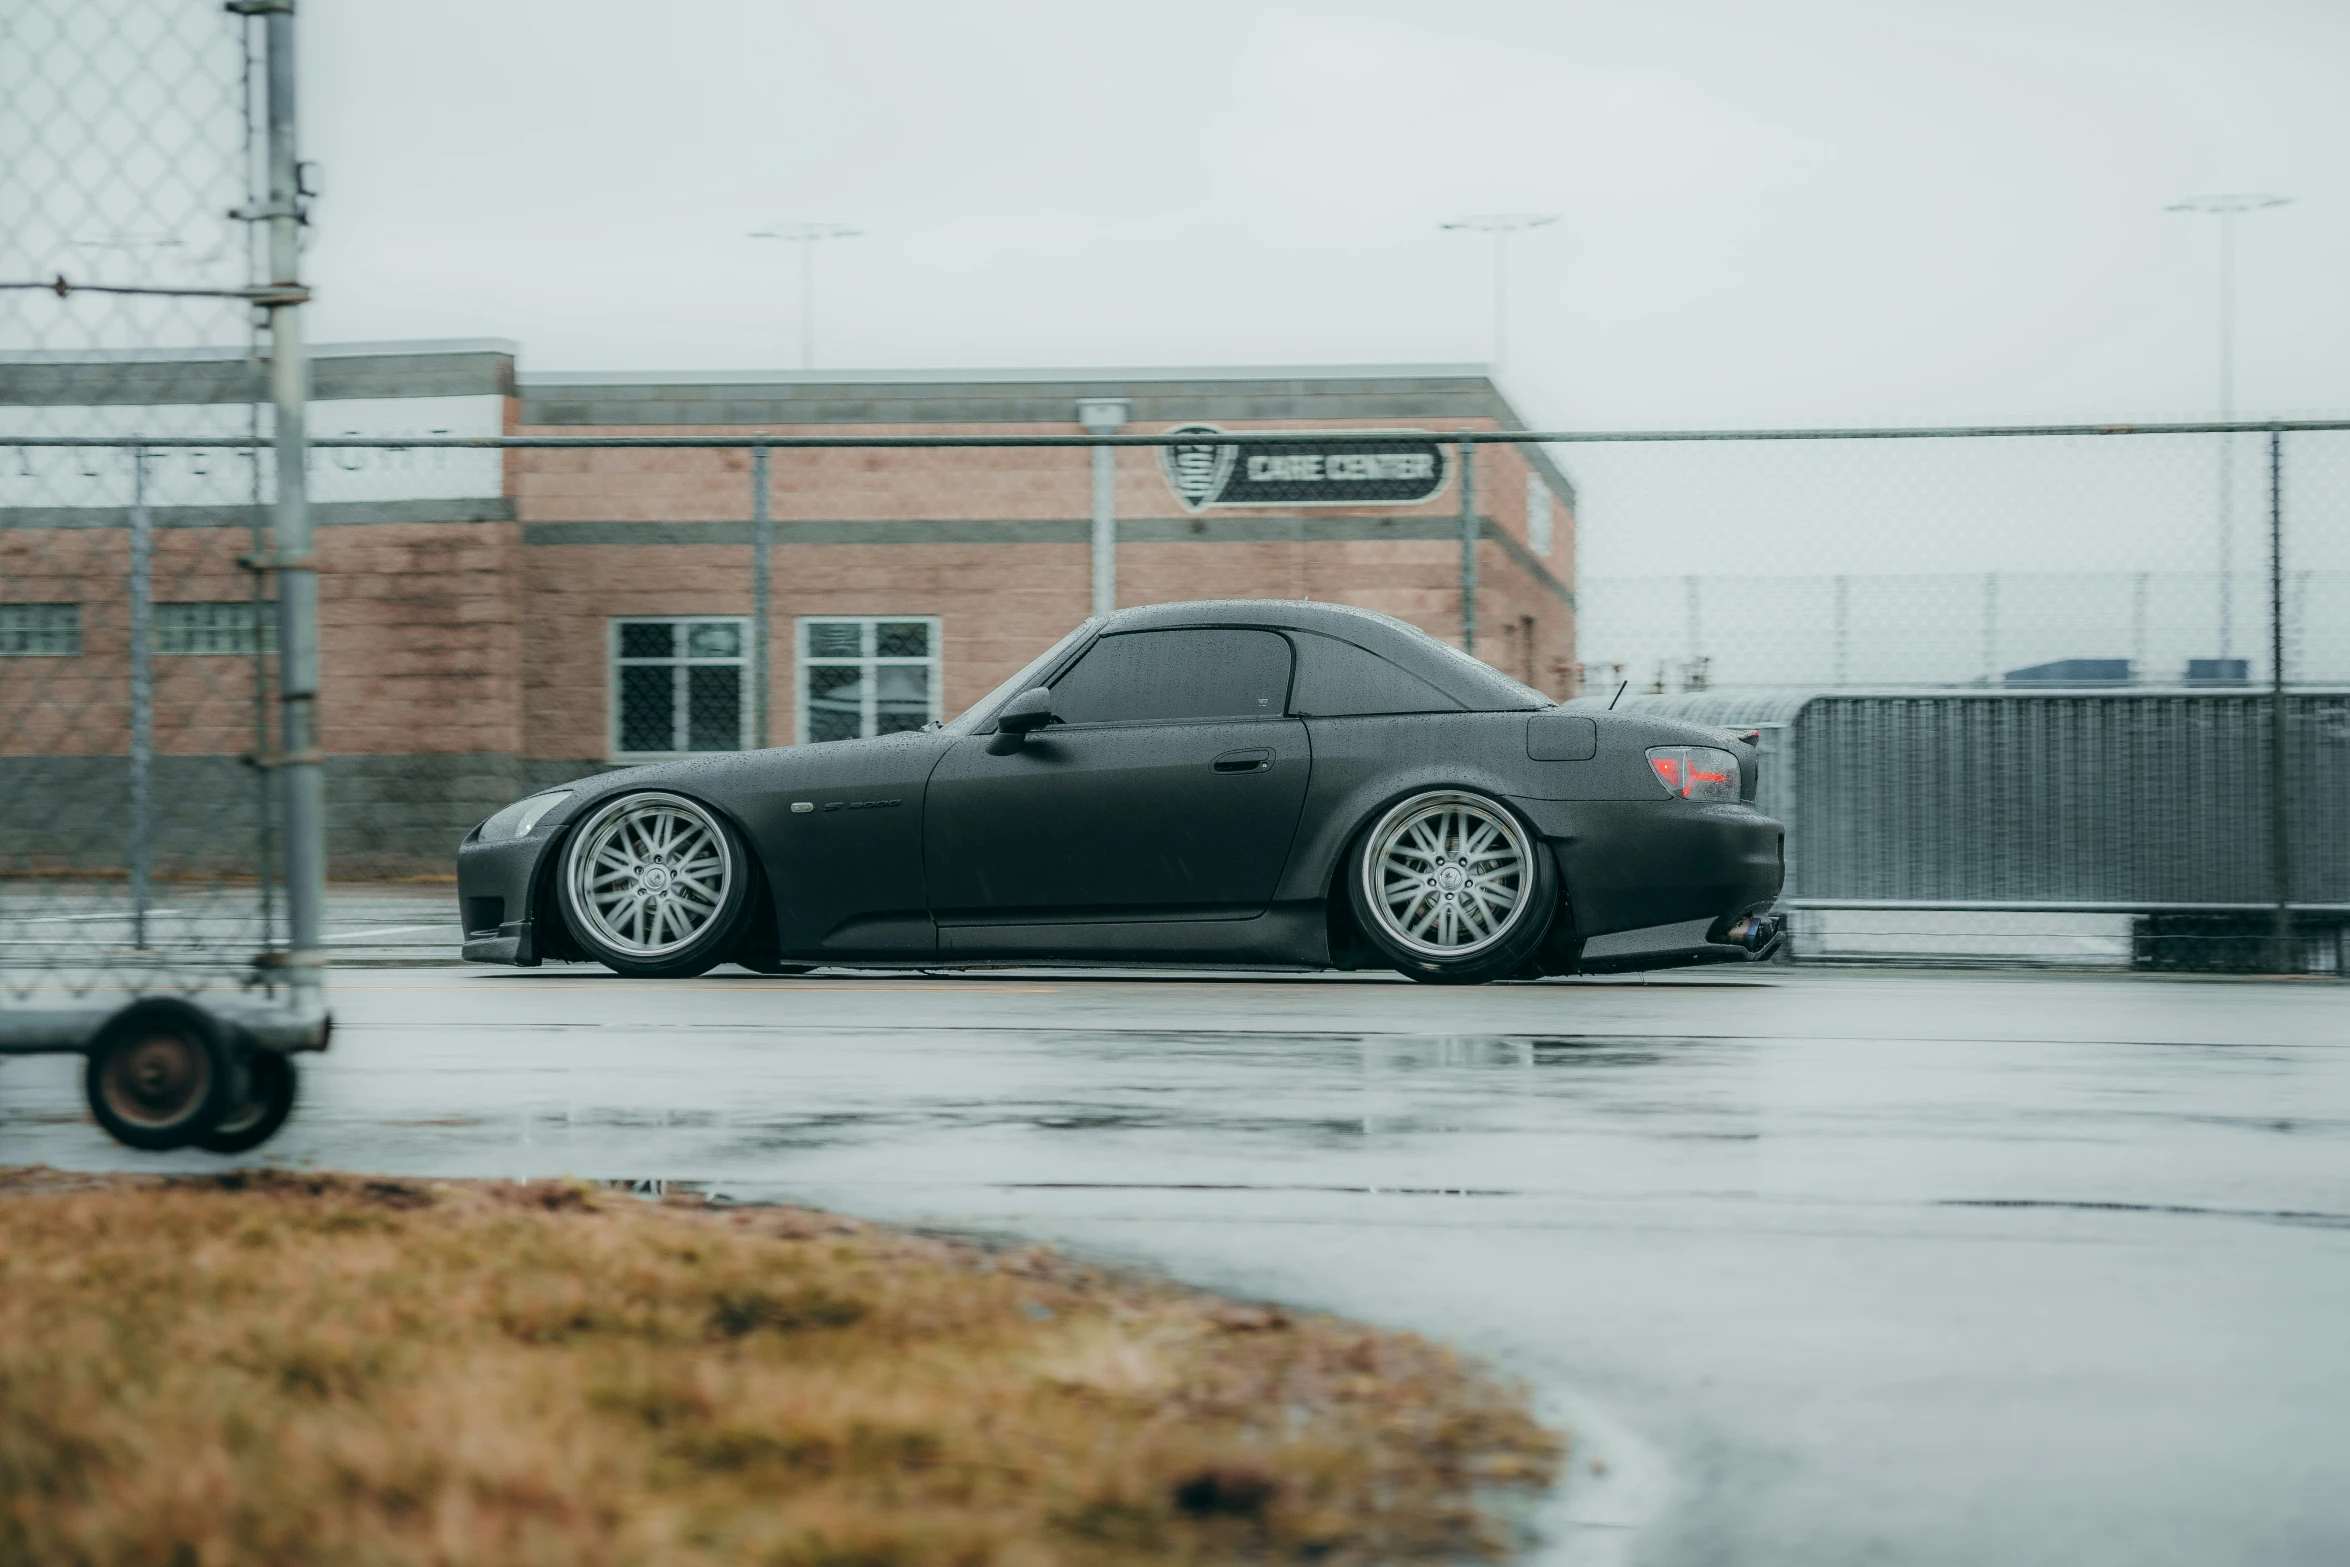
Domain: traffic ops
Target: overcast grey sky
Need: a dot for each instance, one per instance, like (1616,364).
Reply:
(1814,211)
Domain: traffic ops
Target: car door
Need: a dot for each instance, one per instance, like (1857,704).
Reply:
(1167,789)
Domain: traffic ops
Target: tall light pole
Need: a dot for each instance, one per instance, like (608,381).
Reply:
(1501,225)
(807,236)
(2227,209)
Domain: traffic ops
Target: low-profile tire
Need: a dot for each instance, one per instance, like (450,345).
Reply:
(654,885)
(160,1074)
(254,1116)
(1453,887)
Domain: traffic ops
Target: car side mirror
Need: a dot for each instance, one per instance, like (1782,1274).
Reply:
(1031,710)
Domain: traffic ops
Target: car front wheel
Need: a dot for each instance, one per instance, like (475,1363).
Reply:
(1454,888)
(655,885)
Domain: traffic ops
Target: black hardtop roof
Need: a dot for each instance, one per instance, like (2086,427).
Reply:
(1478,686)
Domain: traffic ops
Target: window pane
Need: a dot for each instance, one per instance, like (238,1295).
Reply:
(722,640)
(836,703)
(714,708)
(901,698)
(647,641)
(647,707)
(835,639)
(224,626)
(1164,675)
(40,630)
(1338,679)
(901,639)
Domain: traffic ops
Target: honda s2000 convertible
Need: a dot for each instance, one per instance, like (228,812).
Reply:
(1239,783)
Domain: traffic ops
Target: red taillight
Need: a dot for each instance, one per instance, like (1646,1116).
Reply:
(1695,772)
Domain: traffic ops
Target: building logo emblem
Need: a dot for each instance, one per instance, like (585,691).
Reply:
(1197,471)
(1316,468)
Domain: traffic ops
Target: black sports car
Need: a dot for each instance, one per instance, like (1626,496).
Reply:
(1244,782)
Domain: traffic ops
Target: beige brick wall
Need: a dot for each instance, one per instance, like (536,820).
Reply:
(999,604)
(420,638)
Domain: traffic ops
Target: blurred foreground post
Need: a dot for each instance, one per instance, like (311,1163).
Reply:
(142,586)
(299,758)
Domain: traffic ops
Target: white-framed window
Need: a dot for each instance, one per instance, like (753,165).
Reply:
(680,683)
(866,675)
(225,626)
(40,630)
(1538,530)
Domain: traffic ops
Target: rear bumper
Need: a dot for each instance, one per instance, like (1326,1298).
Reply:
(1634,864)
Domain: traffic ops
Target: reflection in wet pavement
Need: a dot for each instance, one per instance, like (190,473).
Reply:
(1852,1267)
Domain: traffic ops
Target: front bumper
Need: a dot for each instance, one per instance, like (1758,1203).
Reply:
(497,885)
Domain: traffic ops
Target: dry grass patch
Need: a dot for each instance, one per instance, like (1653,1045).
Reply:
(293,1369)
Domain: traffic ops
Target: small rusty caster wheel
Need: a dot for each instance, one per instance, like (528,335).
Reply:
(253,1117)
(160,1074)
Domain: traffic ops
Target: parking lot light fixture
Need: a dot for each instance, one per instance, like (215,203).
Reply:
(807,236)
(1501,225)
(2227,208)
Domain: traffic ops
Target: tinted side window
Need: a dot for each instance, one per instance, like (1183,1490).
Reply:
(1340,680)
(1161,675)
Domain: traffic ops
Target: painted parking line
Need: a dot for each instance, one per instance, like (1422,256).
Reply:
(388,930)
(676,988)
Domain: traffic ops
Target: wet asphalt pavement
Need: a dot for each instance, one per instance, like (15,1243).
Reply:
(1826,1267)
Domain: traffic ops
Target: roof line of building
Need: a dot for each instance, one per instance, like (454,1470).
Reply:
(215,353)
(1107,376)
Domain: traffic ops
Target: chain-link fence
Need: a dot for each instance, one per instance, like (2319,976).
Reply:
(1977,559)
(641,573)
(156,655)
(2035,696)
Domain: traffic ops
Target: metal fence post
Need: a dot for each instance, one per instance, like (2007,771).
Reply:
(2280,792)
(1104,416)
(761,531)
(297,569)
(1105,530)
(1990,628)
(1469,533)
(142,586)
(1843,626)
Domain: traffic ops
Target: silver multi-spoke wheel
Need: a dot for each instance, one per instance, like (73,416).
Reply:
(650,874)
(1446,875)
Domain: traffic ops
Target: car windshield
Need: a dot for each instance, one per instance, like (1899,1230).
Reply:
(969,720)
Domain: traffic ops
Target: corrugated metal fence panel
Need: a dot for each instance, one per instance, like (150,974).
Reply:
(2090,796)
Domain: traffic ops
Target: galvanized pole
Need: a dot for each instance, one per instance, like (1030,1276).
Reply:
(142,699)
(2227,443)
(1469,536)
(760,540)
(1104,416)
(298,758)
(1842,618)
(1990,628)
(1105,530)
(2280,793)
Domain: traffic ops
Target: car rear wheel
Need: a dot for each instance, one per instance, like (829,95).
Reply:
(655,886)
(1454,888)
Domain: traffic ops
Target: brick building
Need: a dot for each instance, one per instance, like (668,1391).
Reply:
(493,621)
